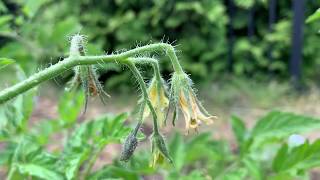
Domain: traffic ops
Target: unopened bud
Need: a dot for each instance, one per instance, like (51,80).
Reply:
(129,147)
(159,144)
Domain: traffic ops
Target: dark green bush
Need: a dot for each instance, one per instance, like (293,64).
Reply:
(198,28)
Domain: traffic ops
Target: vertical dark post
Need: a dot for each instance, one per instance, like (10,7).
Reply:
(272,20)
(230,34)
(297,40)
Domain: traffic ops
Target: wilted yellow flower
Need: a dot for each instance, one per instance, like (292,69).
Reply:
(191,111)
(158,100)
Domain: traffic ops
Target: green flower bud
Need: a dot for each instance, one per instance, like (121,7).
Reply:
(129,147)
(159,150)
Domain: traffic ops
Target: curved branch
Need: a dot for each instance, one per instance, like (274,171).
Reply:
(146,98)
(73,61)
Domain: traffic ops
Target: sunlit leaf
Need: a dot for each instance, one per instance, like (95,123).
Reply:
(239,129)
(5,62)
(301,157)
(315,16)
(283,124)
(32,6)
(110,172)
(177,151)
(38,171)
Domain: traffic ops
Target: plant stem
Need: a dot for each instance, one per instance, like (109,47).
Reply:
(152,61)
(73,61)
(140,119)
(168,48)
(143,87)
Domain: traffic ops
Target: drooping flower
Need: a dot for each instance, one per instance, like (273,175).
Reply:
(191,111)
(185,98)
(159,101)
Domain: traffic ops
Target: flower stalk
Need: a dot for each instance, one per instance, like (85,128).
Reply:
(131,142)
(75,60)
(146,98)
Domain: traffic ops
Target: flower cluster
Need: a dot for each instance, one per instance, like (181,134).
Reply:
(154,101)
(182,97)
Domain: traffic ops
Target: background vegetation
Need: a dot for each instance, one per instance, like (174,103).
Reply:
(37,30)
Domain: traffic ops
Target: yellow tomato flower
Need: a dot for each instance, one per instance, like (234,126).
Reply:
(192,114)
(158,100)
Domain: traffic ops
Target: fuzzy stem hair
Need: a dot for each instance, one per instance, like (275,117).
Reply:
(75,60)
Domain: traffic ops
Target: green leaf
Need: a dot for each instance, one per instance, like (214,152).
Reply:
(29,159)
(4,19)
(253,167)
(6,154)
(5,62)
(3,7)
(202,147)
(194,175)
(38,171)
(70,106)
(236,174)
(89,139)
(246,4)
(315,16)
(32,6)
(177,151)
(63,29)
(76,151)
(113,128)
(239,129)
(281,176)
(15,115)
(301,157)
(44,129)
(109,172)
(282,124)
(73,163)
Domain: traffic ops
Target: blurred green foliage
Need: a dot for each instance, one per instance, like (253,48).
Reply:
(25,147)
(268,150)
(263,152)
(35,32)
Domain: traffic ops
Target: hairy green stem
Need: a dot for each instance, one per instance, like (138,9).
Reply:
(152,61)
(168,48)
(143,87)
(140,118)
(73,61)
